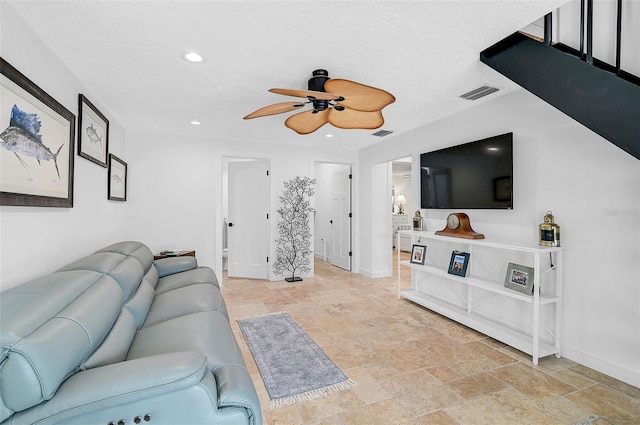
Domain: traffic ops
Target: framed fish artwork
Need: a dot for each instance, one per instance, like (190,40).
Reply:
(117,184)
(93,132)
(37,137)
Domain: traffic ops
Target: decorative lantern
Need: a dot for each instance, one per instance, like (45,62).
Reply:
(549,232)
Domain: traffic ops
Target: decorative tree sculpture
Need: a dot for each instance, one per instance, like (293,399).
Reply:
(294,242)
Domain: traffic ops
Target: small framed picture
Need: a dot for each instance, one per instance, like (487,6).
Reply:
(459,263)
(93,132)
(418,254)
(519,278)
(117,184)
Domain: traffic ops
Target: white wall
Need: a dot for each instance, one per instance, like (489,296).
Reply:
(592,188)
(34,241)
(177,188)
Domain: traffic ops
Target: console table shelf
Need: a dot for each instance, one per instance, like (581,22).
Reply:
(459,298)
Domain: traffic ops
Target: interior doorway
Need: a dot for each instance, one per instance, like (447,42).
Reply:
(245,232)
(333,218)
(403,203)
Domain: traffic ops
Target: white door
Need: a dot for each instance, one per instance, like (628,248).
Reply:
(341,218)
(248,219)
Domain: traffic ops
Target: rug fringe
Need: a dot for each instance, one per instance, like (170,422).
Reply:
(310,395)
(263,315)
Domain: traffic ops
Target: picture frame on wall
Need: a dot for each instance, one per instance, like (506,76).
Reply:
(519,278)
(117,183)
(93,132)
(418,254)
(459,263)
(37,136)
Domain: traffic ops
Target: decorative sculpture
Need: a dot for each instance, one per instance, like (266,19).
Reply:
(294,241)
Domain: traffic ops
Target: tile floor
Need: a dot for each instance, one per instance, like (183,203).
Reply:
(413,366)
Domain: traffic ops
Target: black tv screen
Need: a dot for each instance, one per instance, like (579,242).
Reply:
(475,175)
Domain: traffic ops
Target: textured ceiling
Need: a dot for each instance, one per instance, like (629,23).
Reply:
(128,55)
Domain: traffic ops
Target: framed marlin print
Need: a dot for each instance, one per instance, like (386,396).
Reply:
(37,138)
(93,132)
(117,184)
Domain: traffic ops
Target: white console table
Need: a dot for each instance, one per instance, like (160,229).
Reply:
(529,323)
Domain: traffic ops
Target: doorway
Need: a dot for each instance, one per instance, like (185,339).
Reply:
(402,202)
(245,233)
(333,214)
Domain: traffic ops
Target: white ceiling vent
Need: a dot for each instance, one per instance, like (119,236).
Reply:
(382,133)
(479,92)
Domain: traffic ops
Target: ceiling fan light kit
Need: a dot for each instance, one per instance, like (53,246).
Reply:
(342,103)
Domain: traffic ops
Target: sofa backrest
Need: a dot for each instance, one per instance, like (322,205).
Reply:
(82,316)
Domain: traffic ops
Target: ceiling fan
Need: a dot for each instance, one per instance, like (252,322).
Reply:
(342,103)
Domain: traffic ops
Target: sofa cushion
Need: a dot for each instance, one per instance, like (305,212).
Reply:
(42,346)
(188,277)
(137,250)
(206,332)
(127,271)
(115,347)
(185,300)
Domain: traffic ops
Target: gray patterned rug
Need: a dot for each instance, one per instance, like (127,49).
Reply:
(292,365)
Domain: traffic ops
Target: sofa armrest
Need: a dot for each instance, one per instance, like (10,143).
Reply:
(118,384)
(173,265)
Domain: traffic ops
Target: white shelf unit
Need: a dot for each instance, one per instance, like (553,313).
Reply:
(533,324)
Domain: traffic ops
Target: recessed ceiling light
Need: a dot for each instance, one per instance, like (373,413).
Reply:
(196,122)
(193,57)
(493,149)
(328,135)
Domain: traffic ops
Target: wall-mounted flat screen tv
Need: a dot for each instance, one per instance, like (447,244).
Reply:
(475,175)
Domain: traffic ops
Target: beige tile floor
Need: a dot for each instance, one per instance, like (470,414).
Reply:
(413,366)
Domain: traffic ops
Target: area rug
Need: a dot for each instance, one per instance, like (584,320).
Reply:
(293,367)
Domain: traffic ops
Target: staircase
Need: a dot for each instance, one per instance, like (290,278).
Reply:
(599,95)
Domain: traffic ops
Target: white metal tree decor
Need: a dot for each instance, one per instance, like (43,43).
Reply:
(294,241)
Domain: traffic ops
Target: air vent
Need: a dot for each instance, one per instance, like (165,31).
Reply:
(479,92)
(382,133)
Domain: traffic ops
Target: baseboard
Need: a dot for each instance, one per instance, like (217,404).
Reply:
(375,275)
(631,377)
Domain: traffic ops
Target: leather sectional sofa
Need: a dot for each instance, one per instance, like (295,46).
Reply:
(118,338)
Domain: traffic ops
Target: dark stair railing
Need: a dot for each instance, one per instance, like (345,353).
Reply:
(600,96)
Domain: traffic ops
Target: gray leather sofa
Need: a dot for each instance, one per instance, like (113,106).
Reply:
(116,338)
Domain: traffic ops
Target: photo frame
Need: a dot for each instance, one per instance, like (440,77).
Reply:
(459,263)
(37,137)
(117,183)
(519,278)
(93,132)
(418,254)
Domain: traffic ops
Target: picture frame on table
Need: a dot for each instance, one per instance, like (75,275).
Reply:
(37,135)
(459,263)
(93,132)
(519,278)
(117,183)
(418,254)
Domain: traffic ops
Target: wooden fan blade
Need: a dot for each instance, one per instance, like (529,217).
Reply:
(350,118)
(359,96)
(306,93)
(277,108)
(307,122)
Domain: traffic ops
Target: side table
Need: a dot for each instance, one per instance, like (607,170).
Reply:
(166,254)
